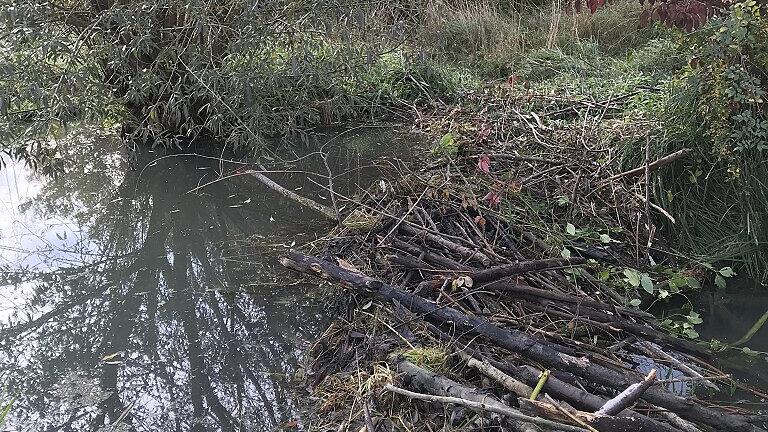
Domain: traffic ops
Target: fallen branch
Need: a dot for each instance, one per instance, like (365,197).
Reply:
(514,341)
(324,210)
(451,392)
(629,396)
(496,273)
(666,160)
(511,384)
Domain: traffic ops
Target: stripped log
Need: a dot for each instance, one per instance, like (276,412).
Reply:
(666,160)
(628,397)
(594,421)
(324,210)
(444,390)
(514,341)
(560,389)
(487,369)
(653,349)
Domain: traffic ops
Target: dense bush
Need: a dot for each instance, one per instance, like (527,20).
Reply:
(717,108)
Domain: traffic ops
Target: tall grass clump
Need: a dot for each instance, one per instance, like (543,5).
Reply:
(496,39)
(717,108)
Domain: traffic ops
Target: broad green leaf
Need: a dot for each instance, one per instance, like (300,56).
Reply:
(635,302)
(726,272)
(692,282)
(605,238)
(647,283)
(570,229)
(632,277)
(565,253)
(720,281)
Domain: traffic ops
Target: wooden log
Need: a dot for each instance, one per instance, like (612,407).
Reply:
(556,387)
(653,349)
(474,255)
(444,390)
(507,287)
(499,272)
(506,381)
(596,422)
(324,210)
(514,341)
(430,257)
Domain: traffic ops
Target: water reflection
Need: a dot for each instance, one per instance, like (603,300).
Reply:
(131,304)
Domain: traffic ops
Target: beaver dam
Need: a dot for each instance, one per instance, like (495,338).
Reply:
(477,304)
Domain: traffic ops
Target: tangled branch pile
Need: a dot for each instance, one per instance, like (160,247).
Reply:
(472,297)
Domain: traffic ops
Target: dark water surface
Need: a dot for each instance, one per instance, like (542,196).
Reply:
(132,299)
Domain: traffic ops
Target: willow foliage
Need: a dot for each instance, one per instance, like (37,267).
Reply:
(171,72)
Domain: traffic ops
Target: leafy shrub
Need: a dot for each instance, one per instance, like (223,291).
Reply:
(717,108)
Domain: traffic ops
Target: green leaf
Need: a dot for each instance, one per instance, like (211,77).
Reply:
(565,253)
(691,333)
(663,293)
(604,275)
(692,282)
(570,229)
(720,281)
(632,277)
(647,283)
(726,272)
(605,238)
(635,302)
(678,280)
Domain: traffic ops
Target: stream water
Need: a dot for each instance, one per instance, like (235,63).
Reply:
(145,296)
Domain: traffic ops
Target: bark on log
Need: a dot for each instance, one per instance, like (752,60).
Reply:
(429,257)
(496,273)
(515,341)
(553,295)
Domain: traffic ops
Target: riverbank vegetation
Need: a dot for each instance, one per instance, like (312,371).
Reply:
(634,149)
(236,76)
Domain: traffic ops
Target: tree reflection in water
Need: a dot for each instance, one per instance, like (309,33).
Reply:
(130,312)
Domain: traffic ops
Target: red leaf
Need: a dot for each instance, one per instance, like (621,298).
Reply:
(484,164)
(492,198)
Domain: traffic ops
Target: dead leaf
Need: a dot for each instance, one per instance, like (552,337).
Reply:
(492,198)
(484,164)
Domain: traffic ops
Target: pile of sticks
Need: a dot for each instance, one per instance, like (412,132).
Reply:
(533,342)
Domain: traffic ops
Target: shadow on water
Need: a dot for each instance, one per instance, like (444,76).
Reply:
(129,303)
